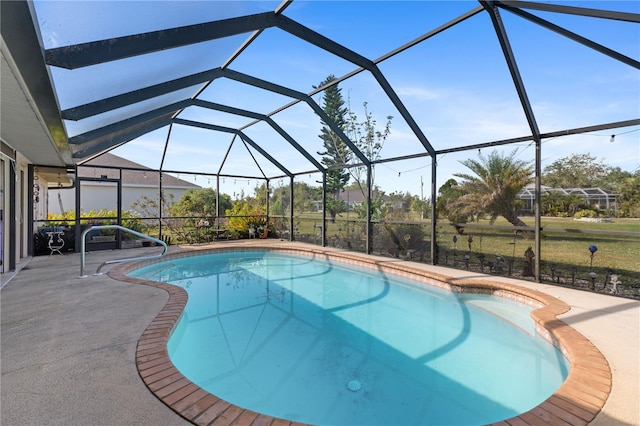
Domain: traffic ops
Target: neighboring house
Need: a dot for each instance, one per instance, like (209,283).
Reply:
(602,199)
(98,186)
(354,198)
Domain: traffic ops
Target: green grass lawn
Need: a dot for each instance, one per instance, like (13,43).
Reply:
(564,243)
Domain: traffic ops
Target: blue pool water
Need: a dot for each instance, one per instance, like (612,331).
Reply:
(323,343)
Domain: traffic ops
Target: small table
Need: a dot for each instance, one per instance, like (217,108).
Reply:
(57,244)
(199,226)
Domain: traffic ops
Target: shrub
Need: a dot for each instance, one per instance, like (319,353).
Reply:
(242,216)
(130,219)
(585,213)
(398,239)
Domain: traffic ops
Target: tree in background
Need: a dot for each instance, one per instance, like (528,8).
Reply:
(575,171)
(150,210)
(304,196)
(616,179)
(257,201)
(402,204)
(336,154)
(369,140)
(421,206)
(586,171)
(494,185)
(365,136)
(197,205)
(629,190)
(150,206)
(200,203)
(248,210)
(180,217)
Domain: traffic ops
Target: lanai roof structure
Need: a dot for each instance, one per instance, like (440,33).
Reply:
(116,81)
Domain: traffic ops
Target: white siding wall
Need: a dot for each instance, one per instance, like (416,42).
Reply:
(21,237)
(97,195)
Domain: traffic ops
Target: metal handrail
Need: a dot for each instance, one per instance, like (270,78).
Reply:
(108,262)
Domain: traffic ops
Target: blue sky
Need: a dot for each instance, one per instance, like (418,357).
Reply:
(455,85)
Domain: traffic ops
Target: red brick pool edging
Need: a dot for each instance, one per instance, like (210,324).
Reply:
(576,402)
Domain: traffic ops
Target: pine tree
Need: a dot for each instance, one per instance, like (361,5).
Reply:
(335,153)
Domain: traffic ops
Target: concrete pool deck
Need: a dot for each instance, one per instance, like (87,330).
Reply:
(69,345)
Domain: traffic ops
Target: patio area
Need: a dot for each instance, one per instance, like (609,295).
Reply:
(69,344)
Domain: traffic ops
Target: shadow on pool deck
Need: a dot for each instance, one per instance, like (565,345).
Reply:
(68,345)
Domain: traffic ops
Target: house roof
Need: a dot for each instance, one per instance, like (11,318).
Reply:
(142,175)
(356,196)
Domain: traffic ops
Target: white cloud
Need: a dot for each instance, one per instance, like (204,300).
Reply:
(420,93)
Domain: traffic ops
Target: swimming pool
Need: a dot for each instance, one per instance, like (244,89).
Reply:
(353,346)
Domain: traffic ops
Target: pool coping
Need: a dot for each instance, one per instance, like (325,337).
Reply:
(577,401)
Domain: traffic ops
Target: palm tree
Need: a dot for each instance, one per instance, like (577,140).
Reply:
(494,188)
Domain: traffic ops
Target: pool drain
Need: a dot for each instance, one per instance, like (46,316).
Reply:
(354,385)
